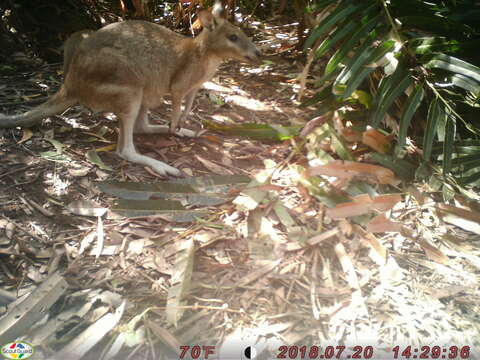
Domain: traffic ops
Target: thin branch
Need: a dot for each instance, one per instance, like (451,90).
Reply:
(447,105)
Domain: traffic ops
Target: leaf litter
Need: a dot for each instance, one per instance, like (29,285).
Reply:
(291,246)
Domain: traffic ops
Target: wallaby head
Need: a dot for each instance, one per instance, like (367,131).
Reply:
(224,39)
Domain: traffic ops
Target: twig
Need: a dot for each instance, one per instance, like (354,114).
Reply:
(8,295)
(23,183)
(24,230)
(447,105)
(43,211)
(391,21)
(24,102)
(14,171)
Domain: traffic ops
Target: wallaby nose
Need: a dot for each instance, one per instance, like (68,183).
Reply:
(254,56)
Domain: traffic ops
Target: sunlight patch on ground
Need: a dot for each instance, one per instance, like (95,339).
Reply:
(247,103)
(57,186)
(221,118)
(257,70)
(267,228)
(265,67)
(215,87)
(38,229)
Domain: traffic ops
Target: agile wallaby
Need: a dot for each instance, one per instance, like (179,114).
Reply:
(126,68)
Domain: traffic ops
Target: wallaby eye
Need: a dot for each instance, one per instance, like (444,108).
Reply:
(233,37)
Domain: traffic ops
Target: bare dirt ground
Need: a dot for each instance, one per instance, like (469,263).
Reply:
(254,280)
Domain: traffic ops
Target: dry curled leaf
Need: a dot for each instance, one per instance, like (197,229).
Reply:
(433,253)
(313,124)
(380,223)
(463,218)
(86,208)
(363,204)
(385,202)
(354,208)
(377,141)
(354,170)
(351,135)
(27,134)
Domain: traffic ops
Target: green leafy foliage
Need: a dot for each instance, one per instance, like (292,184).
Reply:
(255,131)
(416,60)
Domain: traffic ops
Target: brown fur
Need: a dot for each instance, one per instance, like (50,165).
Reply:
(70,47)
(127,67)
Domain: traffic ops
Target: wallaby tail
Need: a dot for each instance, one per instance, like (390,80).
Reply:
(57,103)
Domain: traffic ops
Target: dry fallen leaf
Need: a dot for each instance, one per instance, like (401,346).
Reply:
(213,167)
(351,135)
(464,219)
(110,147)
(433,253)
(448,291)
(354,170)
(27,134)
(463,213)
(380,223)
(164,335)
(348,209)
(86,241)
(10,230)
(377,141)
(313,124)
(100,237)
(86,208)
(462,223)
(386,202)
(378,252)
(180,280)
(363,204)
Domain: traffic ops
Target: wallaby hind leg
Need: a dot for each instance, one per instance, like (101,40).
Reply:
(143,126)
(126,148)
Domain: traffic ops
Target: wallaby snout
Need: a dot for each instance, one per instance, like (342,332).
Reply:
(256,58)
(244,50)
(251,54)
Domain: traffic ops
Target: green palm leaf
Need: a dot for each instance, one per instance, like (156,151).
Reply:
(345,9)
(362,33)
(450,63)
(338,35)
(434,112)
(450,129)
(413,102)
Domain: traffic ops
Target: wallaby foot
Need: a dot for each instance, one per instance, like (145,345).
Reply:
(158,166)
(182,132)
(163,129)
(143,126)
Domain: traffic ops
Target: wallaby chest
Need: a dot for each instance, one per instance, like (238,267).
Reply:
(199,72)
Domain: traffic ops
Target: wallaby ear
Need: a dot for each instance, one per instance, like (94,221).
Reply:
(218,11)
(207,19)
